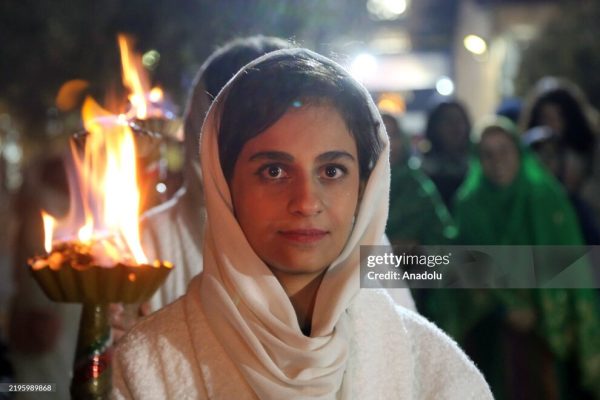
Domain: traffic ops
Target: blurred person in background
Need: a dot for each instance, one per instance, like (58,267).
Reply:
(530,344)
(548,146)
(561,107)
(417,213)
(446,162)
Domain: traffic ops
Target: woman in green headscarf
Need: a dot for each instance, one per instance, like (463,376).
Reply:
(417,215)
(527,342)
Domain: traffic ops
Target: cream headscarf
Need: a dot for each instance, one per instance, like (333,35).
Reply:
(246,305)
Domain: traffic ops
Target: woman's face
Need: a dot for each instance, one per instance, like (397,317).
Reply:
(499,157)
(551,116)
(295,190)
(453,131)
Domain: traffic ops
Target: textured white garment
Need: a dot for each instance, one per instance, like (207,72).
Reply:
(396,354)
(173,231)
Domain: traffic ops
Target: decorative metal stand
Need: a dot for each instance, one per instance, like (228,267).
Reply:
(95,287)
(92,369)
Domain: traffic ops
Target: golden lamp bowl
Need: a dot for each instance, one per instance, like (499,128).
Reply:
(69,274)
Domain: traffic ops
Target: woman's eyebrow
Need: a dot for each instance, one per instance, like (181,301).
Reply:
(271,156)
(334,155)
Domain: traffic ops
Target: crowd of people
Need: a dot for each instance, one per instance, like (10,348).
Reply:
(289,169)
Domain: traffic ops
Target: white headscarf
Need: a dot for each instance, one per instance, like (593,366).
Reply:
(247,307)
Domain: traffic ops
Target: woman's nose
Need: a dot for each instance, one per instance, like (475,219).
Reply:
(306,198)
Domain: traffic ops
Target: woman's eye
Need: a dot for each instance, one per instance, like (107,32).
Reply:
(333,172)
(273,172)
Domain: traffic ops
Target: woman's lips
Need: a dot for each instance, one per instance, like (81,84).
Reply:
(304,235)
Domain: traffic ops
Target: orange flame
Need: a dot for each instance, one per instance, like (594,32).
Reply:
(49,223)
(135,79)
(109,192)
(131,64)
(104,193)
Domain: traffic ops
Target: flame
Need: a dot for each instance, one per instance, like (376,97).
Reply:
(104,192)
(86,232)
(49,223)
(143,101)
(133,78)
(114,174)
(106,209)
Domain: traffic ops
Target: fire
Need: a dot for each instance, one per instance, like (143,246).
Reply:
(49,223)
(132,79)
(109,197)
(145,102)
(105,196)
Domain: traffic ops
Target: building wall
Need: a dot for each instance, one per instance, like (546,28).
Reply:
(482,81)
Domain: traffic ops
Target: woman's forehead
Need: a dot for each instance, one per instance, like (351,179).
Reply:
(309,129)
(494,135)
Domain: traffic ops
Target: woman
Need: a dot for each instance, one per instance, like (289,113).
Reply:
(296,173)
(561,109)
(523,340)
(446,162)
(417,215)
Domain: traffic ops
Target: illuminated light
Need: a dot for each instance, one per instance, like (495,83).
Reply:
(363,66)
(49,223)
(424,146)
(444,86)
(414,162)
(391,43)
(475,44)
(161,187)
(387,9)
(131,277)
(150,59)
(70,94)
(156,95)
(391,103)
(13,153)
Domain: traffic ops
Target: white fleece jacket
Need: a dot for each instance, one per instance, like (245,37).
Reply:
(395,354)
